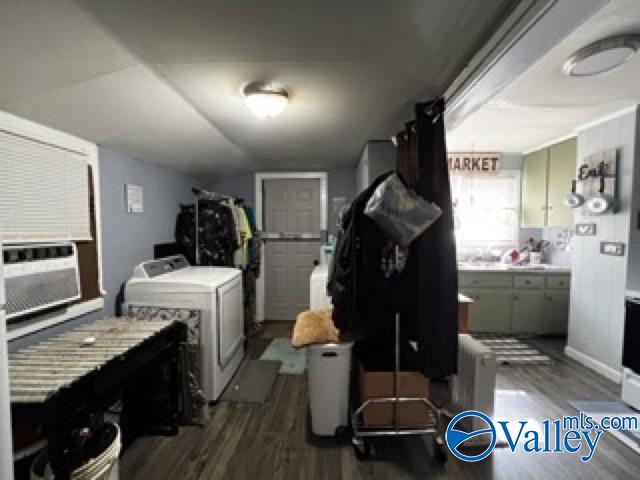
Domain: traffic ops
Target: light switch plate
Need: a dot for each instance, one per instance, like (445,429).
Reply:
(585,229)
(612,248)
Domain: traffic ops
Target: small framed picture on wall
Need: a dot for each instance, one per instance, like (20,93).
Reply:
(134,198)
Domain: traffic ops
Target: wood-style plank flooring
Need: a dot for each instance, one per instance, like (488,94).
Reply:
(272,440)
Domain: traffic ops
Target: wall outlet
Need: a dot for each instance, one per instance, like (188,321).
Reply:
(585,229)
(612,248)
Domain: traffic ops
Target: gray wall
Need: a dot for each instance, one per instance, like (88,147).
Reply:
(378,157)
(596,320)
(128,239)
(242,186)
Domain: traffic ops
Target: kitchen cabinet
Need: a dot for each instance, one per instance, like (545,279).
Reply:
(562,169)
(546,180)
(528,310)
(556,312)
(534,189)
(516,303)
(490,311)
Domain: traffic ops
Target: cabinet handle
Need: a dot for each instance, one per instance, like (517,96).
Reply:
(550,207)
(549,298)
(516,297)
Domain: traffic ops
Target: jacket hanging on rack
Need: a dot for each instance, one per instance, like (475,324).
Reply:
(361,292)
(216,233)
(366,294)
(429,305)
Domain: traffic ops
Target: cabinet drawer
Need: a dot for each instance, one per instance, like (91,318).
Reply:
(484,279)
(558,281)
(528,281)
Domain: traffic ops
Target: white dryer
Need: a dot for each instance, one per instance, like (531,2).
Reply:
(216,291)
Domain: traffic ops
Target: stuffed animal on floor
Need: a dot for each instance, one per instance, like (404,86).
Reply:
(314,326)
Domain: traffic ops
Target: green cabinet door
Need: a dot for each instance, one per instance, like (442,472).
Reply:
(490,311)
(528,308)
(556,313)
(562,169)
(534,189)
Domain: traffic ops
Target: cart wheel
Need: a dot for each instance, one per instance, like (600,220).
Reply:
(439,452)
(361,448)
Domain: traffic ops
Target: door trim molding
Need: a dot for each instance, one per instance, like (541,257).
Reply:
(259,179)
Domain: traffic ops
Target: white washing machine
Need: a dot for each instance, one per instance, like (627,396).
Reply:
(216,291)
(319,298)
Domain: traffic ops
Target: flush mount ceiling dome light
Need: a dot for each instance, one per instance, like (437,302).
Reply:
(265,100)
(602,56)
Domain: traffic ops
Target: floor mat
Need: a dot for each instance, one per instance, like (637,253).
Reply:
(252,382)
(511,351)
(294,362)
(597,410)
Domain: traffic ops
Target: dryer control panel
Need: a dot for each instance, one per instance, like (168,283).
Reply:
(154,268)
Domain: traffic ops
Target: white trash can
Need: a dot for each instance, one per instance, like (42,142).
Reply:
(329,369)
(104,466)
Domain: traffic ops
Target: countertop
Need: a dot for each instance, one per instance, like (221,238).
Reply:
(501,268)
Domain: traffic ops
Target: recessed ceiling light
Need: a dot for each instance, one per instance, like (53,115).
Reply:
(602,56)
(265,100)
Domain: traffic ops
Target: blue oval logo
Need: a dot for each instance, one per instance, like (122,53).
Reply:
(456,438)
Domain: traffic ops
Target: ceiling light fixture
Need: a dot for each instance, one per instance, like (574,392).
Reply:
(602,56)
(265,100)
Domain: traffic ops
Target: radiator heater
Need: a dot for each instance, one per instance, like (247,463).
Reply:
(473,388)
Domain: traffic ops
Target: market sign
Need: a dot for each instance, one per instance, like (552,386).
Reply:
(474,162)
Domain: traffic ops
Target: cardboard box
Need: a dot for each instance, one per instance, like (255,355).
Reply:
(377,384)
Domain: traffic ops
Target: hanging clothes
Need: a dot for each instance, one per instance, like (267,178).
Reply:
(367,293)
(243,235)
(430,280)
(254,243)
(216,233)
(359,284)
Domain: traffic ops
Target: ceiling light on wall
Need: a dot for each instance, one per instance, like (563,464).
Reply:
(265,100)
(602,56)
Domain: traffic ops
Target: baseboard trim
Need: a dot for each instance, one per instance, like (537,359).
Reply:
(599,367)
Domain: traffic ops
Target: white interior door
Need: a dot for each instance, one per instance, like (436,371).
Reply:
(292,243)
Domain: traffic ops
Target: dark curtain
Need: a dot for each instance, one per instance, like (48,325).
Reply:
(429,303)
(366,296)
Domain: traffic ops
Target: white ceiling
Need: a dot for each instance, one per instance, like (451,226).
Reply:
(160,80)
(544,104)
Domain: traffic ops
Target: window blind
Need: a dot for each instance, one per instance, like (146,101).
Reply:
(44,191)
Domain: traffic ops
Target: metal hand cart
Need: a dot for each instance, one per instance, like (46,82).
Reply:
(362,433)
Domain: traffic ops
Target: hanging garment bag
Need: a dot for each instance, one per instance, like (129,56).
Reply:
(399,212)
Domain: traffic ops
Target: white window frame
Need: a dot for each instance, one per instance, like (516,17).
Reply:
(259,189)
(517,178)
(18,126)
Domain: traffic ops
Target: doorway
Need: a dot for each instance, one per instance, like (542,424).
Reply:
(291,213)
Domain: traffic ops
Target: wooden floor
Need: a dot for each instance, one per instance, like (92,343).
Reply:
(272,440)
